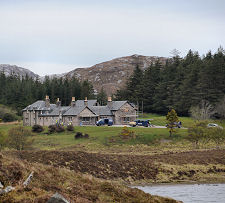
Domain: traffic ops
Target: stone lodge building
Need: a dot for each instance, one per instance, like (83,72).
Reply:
(80,112)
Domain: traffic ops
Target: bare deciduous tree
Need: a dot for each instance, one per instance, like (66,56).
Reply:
(203,111)
(220,108)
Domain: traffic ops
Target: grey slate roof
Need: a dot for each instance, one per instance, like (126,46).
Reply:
(57,110)
(74,111)
(116,105)
(101,110)
(39,105)
(90,102)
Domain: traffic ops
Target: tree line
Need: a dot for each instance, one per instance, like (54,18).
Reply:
(19,92)
(180,83)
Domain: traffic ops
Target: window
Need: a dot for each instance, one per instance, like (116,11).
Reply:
(70,118)
(126,119)
(85,119)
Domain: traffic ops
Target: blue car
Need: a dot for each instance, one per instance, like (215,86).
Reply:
(104,121)
(140,122)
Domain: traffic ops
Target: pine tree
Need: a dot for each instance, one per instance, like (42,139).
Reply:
(134,85)
(102,97)
(172,120)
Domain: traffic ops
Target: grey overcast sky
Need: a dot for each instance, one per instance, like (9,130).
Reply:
(50,36)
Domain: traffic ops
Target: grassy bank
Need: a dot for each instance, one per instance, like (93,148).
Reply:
(169,167)
(75,187)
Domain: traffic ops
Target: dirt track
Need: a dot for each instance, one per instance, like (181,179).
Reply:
(126,167)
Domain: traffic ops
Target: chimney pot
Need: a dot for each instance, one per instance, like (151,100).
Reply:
(73,102)
(47,101)
(58,103)
(85,101)
(109,99)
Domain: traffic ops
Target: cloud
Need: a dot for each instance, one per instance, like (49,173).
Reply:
(44,32)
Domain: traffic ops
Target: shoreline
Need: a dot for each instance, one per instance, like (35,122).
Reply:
(179,183)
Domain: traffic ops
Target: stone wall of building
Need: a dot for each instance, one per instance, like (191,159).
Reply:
(70,120)
(125,114)
(30,118)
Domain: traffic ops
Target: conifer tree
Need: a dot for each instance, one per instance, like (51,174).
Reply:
(172,120)
(102,97)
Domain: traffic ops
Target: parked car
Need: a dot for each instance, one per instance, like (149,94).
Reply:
(104,121)
(140,122)
(213,125)
(176,124)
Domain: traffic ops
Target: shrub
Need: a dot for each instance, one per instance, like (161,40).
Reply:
(78,135)
(59,129)
(70,127)
(37,128)
(217,135)
(18,138)
(7,114)
(51,128)
(55,128)
(8,117)
(86,135)
(198,133)
(3,140)
(126,133)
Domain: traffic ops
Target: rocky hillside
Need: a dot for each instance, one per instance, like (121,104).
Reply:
(13,69)
(112,75)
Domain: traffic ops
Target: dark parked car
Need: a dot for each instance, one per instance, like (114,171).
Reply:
(104,121)
(140,122)
(176,124)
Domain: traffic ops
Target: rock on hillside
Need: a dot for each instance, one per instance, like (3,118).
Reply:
(113,74)
(13,69)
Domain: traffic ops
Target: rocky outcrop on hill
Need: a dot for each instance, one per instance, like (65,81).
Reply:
(13,69)
(113,74)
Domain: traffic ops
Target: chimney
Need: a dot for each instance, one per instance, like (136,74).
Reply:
(109,103)
(73,102)
(47,101)
(58,103)
(85,101)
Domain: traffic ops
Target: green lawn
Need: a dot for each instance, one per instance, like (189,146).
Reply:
(161,120)
(102,138)
(99,137)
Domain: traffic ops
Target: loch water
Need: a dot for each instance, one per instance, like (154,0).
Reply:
(189,193)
